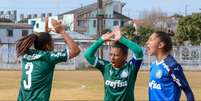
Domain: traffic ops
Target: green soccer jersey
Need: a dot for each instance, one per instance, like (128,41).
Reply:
(37,74)
(118,83)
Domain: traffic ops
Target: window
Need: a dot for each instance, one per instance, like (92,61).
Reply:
(94,23)
(37,25)
(92,16)
(33,23)
(110,16)
(81,23)
(122,23)
(10,33)
(104,23)
(116,23)
(25,32)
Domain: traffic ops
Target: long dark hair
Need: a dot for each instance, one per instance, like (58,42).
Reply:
(39,41)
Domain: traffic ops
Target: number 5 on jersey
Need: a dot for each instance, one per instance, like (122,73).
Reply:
(29,69)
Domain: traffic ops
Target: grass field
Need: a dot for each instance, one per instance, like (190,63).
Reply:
(85,85)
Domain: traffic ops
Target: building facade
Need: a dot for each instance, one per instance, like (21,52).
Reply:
(84,19)
(12,15)
(11,32)
(38,24)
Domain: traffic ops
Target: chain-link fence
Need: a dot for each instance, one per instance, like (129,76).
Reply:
(188,56)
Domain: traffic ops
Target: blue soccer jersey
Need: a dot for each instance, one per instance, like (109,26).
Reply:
(167,80)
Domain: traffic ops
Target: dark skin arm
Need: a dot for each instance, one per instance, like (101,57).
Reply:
(74,50)
(46,25)
(131,45)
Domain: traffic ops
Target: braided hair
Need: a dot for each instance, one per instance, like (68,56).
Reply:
(38,41)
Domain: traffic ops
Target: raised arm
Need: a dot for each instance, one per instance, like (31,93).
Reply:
(46,24)
(135,48)
(74,50)
(90,52)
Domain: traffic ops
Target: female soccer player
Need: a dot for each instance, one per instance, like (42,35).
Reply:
(166,75)
(119,75)
(38,63)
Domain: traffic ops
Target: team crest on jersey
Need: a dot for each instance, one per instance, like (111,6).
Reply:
(159,74)
(124,74)
(111,72)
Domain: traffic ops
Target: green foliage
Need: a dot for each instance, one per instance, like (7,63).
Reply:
(140,37)
(144,33)
(177,15)
(188,29)
(128,31)
(23,21)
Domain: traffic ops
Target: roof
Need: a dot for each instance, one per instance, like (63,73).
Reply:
(15,26)
(87,8)
(93,7)
(120,16)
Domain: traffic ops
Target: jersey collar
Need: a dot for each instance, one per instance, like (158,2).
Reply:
(159,62)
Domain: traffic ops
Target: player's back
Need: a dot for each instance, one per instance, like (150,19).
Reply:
(36,77)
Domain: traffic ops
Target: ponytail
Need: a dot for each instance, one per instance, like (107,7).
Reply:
(25,43)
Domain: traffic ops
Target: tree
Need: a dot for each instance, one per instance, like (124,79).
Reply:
(155,18)
(188,29)
(177,15)
(139,37)
(25,20)
(128,31)
(144,32)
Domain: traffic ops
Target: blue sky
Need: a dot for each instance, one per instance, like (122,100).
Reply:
(132,7)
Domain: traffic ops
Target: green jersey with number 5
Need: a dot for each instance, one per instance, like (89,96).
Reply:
(37,74)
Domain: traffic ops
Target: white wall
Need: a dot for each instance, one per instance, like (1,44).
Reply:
(116,5)
(17,34)
(68,20)
(41,23)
